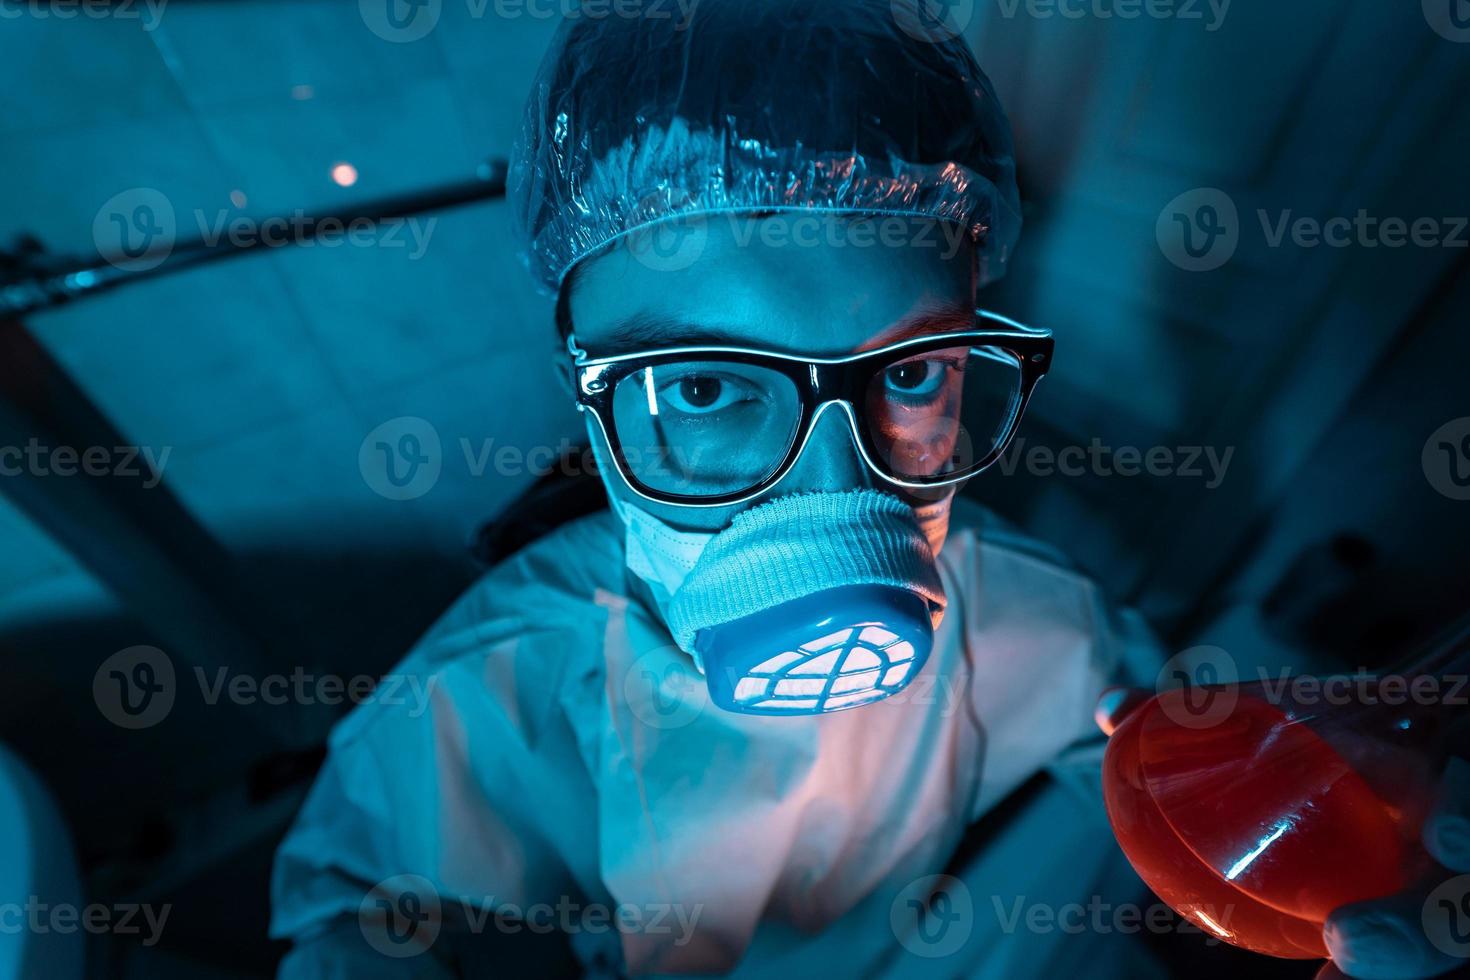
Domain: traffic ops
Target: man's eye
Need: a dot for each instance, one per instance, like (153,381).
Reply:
(700,394)
(915,379)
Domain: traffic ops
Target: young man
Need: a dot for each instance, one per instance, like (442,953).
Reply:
(741,722)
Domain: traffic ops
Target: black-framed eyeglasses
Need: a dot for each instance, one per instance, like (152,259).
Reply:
(711,426)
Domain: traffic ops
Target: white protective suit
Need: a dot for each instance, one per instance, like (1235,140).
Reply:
(570,754)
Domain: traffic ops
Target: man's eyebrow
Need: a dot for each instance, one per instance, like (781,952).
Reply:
(651,331)
(930,320)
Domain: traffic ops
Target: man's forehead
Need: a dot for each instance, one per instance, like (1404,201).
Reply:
(645,331)
(824,300)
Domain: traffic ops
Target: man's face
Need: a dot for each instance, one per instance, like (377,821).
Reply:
(807,284)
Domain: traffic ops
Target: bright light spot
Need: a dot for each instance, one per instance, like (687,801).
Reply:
(650,391)
(237,198)
(302,92)
(1258,850)
(1212,925)
(344,175)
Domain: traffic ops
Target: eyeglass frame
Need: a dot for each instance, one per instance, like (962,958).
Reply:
(596,379)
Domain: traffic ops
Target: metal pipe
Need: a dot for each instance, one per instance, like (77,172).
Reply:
(50,288)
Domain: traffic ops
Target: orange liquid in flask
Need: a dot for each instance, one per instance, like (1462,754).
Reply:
(1251,826)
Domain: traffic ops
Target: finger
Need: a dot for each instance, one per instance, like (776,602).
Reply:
(1447,828)
(1385,939)
(1115,704)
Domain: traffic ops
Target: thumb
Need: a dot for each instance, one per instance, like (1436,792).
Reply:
(1385,939)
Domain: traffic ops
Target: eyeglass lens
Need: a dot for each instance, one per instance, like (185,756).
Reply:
(714,427)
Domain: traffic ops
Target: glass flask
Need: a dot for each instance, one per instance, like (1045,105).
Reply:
(1256,809)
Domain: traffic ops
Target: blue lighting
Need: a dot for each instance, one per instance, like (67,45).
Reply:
(1258,850)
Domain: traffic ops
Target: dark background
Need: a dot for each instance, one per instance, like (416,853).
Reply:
(1334,539)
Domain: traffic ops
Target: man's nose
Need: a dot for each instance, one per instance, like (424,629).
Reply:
(830,460)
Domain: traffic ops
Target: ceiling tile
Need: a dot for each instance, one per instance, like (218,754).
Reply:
(252,50)
(281,154)
(388,315)
(192,359)
(81,71)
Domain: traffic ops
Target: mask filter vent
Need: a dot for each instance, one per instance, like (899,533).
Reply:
(835,649)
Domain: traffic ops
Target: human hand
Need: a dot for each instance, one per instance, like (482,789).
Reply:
(1425,931)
